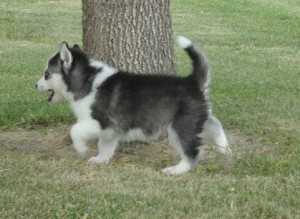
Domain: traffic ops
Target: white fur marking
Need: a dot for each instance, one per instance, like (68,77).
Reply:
(97,64)
(42,85)
(66,55)
(82,132)
(82,107)
(138,135)
(214,133)
(106,72)
(55,83)
(183,42)
(106,151)
(183,166)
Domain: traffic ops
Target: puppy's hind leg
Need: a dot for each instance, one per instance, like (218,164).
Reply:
(106,151)
(188,149)
(214,133)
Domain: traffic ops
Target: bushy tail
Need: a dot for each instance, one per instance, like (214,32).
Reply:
(200,71)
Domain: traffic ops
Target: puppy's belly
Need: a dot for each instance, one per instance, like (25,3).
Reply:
(138,135)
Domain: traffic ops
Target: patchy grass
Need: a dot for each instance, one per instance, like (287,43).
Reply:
(43,178)
(253,49)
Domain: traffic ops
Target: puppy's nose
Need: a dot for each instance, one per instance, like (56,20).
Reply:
(35,85)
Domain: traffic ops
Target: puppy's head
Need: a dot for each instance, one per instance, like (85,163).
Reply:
(56,73)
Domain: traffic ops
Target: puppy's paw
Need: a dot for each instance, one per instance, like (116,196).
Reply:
(224,150)
(98,160)
(169,171)
(175,170)
(229,153)
(80,149)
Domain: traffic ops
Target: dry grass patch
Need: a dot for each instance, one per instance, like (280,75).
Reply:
(154,154)
(42,177)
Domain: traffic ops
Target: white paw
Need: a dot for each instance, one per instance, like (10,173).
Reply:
(228,152)
(80,150)
(180,168)
(224,150)
(98,160)
(169,171)
(183,42)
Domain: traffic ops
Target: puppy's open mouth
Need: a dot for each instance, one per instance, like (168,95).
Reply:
(51,94)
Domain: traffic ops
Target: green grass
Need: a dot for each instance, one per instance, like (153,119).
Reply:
(253,50)
(30,32)
(53,185)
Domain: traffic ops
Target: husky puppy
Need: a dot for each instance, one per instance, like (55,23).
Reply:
(112,105)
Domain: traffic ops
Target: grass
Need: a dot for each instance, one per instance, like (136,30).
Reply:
(253,50)
(31,31)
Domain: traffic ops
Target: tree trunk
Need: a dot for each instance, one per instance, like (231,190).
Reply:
(131,35)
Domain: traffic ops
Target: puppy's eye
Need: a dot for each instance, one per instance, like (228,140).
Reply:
(47,75)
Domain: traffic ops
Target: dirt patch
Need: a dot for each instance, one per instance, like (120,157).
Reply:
(35,140)
(160,153)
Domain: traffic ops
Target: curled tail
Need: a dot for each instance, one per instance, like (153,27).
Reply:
(200,71)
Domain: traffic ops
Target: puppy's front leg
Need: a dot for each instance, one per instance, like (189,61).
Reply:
(82,132)
(107,149)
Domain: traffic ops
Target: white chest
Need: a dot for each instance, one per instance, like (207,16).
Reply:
(82,107)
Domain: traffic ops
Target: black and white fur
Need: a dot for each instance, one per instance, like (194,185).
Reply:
(112,105)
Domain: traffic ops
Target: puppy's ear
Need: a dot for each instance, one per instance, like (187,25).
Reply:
(76,46)
(66,55)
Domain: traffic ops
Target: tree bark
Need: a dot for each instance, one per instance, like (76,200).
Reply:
(131,35)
